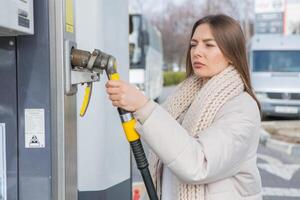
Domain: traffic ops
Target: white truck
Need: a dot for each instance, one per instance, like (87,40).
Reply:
(275,73)
(146,56)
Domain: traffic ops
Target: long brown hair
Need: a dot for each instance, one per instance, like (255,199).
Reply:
(231,41)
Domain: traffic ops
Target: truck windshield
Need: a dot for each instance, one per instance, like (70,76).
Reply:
(276,61)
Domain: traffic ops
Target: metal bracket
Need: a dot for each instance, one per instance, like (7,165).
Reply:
(92,60)
(79,77)
(69,88)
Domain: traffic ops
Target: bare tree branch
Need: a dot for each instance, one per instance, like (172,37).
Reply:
(175,22)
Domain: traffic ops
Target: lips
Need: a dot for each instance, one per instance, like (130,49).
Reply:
(198,64)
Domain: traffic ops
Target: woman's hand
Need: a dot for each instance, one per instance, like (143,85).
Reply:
(125,95)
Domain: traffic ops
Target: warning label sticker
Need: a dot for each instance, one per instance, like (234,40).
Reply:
(34,128)
(70,16)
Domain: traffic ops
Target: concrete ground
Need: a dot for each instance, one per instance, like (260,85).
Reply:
(284,130)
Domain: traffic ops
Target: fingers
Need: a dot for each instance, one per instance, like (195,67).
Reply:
(115,87)
(118,103)
(111,83)
(119,93)
(113,90)
(115,97)
(115,103)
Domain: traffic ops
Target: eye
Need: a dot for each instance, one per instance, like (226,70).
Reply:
(209,45)
(193,45)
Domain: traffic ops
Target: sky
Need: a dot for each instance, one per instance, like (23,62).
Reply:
(155,5)
(159,5)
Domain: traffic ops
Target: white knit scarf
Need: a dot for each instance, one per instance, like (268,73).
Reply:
(194,105)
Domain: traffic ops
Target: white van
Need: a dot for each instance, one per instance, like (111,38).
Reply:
(275,73)
(146,56)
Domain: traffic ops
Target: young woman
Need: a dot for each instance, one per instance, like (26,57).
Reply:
(204,138)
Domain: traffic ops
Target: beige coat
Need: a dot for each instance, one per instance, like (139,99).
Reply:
(222,157)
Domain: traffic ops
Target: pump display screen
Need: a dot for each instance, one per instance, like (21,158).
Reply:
(276,61)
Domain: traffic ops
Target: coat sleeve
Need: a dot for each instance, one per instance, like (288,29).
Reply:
(215,153)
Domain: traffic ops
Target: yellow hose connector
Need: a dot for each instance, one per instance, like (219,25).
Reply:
(129,129)
(86,99)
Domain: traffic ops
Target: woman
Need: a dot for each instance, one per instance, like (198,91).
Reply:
(205,136)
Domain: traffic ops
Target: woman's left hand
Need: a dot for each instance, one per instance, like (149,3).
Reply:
(125,95)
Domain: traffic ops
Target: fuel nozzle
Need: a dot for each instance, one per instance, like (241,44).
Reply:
(96,61)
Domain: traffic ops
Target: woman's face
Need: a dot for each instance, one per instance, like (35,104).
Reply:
(206,57)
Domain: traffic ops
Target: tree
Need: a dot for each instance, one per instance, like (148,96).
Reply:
(175,22)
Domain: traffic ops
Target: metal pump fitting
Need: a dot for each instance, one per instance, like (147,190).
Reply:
(96,61)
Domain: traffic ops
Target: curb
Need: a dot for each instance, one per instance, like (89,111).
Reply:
(287,148)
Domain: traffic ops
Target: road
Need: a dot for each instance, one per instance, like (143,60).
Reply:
(280,173)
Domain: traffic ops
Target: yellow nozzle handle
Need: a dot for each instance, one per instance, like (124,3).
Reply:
(86,99)
(114,77)
(129,126)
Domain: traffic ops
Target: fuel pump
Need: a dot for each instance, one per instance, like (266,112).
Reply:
(94,64)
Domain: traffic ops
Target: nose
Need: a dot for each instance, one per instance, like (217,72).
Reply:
(198,51)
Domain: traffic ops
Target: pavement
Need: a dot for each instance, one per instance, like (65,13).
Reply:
(280,174)
(282,136)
